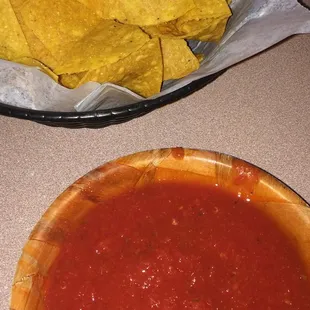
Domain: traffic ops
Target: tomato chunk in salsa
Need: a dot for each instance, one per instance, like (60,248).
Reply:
(177,246)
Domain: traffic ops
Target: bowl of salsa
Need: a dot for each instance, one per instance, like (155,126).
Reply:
(169,229)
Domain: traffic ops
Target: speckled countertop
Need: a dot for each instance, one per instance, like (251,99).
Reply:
(258,110)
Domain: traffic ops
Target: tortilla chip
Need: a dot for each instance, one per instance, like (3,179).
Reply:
(206,22)
(56,23)
(178,59)
(13,43)
(168,30)
(213,33)
(35,63)
(71,80)
(140,12)
(100,7)
(205,9)
(210,30)
(141,72)
(109,42)
(37,49)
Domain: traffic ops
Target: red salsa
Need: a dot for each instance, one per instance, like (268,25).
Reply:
(177,246)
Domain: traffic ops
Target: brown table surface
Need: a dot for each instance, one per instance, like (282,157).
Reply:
(258,110)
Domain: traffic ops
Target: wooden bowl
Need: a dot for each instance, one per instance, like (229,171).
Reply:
(273,197)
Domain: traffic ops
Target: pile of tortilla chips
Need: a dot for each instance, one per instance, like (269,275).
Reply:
(136,44)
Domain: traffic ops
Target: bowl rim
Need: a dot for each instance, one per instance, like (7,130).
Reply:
(145,161)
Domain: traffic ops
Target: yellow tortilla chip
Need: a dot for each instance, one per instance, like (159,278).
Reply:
(213,33)
(140,12)
(35,63)
(168,30)
(71,80)
(100,7)
(206,22)
(203,30)
(210,30)
(141,71)
(16,3)
(178,59)
(205,10)
(37,49)
(56,23)
(109,42)
(13,43)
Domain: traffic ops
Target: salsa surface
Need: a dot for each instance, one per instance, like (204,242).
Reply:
(177,246)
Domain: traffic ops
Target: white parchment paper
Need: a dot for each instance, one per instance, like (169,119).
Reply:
(254,26)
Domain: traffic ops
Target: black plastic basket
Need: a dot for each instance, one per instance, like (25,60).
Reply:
(103,118)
